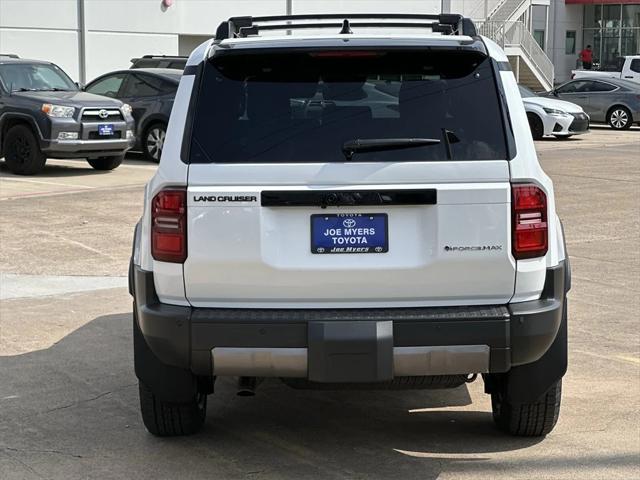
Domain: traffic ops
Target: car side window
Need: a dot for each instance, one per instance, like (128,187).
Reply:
(571,87)
(635,65)
(144,86)
(167,87)
(108,86)
(599,87)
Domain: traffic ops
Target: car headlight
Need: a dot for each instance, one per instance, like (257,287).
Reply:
(126,109)
(58,111)
(556,112)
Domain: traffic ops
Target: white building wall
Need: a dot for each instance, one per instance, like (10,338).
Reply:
(41,29)
(107,51)
(566,17)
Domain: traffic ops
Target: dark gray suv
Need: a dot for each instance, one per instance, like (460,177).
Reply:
(43,114)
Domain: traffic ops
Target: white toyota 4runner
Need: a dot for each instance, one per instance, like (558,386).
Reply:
(349,210)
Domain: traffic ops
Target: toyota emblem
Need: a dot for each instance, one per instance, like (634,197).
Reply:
(349,223)
(103,113)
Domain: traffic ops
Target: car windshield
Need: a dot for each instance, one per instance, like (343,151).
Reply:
(303,107)
(34,76)
(526,92)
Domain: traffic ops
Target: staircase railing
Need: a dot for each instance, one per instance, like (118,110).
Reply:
(478,12)
(515,34)
(505,9)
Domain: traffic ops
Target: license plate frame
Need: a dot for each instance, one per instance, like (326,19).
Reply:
(321,244)
(105,130)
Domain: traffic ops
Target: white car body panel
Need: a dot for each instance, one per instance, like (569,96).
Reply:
(273,251)
(625,74)
(245,255)
(537,105)
(525,168)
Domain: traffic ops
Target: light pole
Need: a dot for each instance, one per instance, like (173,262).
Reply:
(82,44)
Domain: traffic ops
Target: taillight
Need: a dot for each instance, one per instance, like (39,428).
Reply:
(169,226)
(529,218)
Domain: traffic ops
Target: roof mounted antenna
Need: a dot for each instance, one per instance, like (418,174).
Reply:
(346,28)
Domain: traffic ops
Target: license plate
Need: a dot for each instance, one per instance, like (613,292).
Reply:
(349,233)
(105,130)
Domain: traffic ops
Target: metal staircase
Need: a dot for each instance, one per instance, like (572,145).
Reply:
(508,10)
(531,65)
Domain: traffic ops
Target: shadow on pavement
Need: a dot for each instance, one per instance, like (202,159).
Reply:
(80,167)
(52,169)
(73,409)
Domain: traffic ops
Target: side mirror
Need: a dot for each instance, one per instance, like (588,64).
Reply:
(555,92)
(80,85)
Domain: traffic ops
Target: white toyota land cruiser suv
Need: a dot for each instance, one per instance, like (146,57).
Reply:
(349,210)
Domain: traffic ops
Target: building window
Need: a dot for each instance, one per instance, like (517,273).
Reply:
(612,31)
(539,36)
(570,42)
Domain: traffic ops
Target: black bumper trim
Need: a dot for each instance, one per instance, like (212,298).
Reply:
(183,337)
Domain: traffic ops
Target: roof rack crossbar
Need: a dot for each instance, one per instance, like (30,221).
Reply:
(255,29)
(445,23)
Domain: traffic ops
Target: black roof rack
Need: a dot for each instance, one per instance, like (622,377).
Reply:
(164,56)
(10,55)
(445,23)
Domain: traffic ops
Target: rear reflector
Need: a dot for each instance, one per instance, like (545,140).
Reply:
(169,226)
(529,221)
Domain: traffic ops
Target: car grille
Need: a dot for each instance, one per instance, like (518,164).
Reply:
(580,122)
(101,115)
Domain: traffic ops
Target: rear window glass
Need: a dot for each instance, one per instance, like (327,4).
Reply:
(303,107)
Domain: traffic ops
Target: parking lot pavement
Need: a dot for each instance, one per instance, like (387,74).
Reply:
(68,395)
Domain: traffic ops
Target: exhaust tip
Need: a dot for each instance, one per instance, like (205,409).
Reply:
(247,386)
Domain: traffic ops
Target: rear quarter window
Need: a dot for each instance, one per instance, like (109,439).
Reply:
(302,107)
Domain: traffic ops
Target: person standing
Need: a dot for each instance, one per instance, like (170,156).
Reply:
(586,57)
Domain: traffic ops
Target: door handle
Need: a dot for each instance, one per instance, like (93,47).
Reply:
(628,76)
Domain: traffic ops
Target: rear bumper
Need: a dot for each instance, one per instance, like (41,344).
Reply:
(349,345)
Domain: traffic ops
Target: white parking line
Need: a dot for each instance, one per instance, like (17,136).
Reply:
(69,192)
(28,180)
(28,286)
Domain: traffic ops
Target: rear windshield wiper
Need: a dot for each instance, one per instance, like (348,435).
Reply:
(351,147)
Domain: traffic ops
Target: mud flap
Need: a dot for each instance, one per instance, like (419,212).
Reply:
(353,352)
(528,383)
(168,383)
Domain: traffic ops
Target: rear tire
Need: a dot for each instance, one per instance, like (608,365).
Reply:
(153,141)
(106,163)
(22,152)
(165,419)
(536,125)
(619,118)
(527,419)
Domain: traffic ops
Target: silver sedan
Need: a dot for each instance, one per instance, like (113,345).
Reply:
(612,101)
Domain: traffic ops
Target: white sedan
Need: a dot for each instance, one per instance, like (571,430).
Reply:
(548,116)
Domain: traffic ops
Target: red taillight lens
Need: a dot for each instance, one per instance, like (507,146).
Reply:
(169,226)
(529,217)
